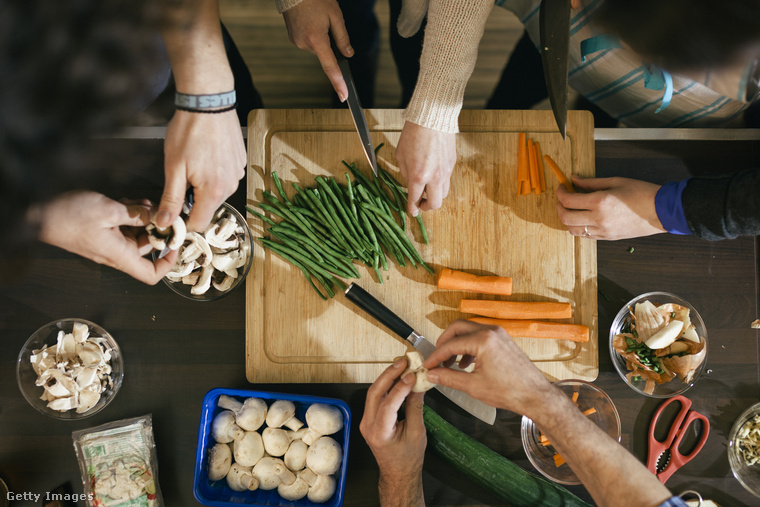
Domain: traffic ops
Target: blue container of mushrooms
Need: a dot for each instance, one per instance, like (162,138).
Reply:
(271,449)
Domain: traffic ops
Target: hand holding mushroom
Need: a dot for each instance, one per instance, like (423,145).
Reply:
(398,446)
(102,230)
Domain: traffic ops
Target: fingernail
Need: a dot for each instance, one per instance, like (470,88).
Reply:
(399,363)
(343,98)
(162,220)
(408,378)
(433,377)
(350,51)
(415,213)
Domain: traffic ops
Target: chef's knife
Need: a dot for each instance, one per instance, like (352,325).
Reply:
(554,29)
(357,113)
(368,303)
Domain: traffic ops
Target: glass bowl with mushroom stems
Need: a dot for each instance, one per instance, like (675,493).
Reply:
(70,369)
(671,371)
(591,401)
(744,449)
(210,266)
(211,484)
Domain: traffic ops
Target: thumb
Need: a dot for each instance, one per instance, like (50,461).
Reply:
(411,16)
(172,198)
(414,404)
(135,215)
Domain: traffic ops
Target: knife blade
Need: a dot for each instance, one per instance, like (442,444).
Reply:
(554,29)
(385,316)
(357,113)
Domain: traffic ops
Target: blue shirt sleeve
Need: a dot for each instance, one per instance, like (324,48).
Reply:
(673,501)
(669,207)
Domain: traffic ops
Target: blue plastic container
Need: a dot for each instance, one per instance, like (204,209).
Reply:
(218,494)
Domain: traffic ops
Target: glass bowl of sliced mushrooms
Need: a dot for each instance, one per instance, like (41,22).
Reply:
(744,449)
(658,344)
(213,263)
(70,369)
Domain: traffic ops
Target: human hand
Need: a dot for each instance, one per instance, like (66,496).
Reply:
(310,24)
(205,151)
(612,208)
(426,159)
(398,446)
(502,377)
(105,231)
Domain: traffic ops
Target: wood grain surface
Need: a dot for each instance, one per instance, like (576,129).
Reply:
(483,228)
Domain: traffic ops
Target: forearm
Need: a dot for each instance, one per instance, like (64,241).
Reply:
(453,32)
(611,474)
(193,40)
(401,492)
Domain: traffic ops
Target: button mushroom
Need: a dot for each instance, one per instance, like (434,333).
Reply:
(269,475)
(414,365)
(249,415)
(223,428)
(282,413)
(171,237)
(322,420)
(276,441)
(240,478)
(295,491)
(249,449)
(295,456)
(219,462)
(324,456)
(322,489)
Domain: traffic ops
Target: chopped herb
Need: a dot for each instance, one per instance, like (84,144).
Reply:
(630,249)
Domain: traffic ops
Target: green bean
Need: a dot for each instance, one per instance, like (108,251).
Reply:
(340,210)
(312,265)
(328,257)
(262,217)
(302,249)
(337,230)
(401,235)
(423,231)
(331,203)
(297,264)
(278,184)
(351,195)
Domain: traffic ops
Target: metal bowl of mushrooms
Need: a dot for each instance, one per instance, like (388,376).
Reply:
(212,263)
(70,369)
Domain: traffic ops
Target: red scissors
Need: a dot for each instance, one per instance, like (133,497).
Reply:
(666,453)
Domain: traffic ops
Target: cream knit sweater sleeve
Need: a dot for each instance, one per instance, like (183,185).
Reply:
(284,5)
(453,32)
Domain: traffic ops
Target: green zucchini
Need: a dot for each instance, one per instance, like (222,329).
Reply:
(509,482)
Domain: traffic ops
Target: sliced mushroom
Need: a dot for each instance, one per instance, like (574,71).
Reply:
(204,281)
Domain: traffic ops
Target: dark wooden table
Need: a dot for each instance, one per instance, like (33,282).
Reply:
(176,350)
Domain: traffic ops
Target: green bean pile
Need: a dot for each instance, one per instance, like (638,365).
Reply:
(324,228)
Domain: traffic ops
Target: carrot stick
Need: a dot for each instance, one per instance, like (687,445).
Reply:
(542,438)
(516,309)
(558,173)
(522,163)
(532,165)
(545,443)
(536,329)
(540,166)
(575,397)
(589,411)
(524,187)
(558,460)
(457,280)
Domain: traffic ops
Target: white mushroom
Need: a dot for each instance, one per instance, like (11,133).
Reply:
(240,478)
(322,420)
(204,282)
(219,462)
(249,415)
(282,413)
(324,456)
(298,435)
(414,365)
(81,331)
(295,491)
(88,398)
(229,403)
(172,236)
(322,489)
(223,428)
(249,449)
(264,471)
(276,441)
(222,233)
(295,457)
(224,285)
(283,473)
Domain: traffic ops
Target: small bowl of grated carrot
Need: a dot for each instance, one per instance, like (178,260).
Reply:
(594,404)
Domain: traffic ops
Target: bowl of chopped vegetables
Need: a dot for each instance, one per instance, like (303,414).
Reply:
(592,402)
(744,449)
(658,344)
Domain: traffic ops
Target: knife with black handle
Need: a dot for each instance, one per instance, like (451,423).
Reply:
(382,314)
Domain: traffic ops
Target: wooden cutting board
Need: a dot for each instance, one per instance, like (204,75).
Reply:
(293,336)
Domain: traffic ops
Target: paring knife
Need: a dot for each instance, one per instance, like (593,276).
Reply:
(369,304)
(357,113)
(554,29)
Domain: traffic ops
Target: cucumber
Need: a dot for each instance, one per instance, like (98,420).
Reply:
(512,484)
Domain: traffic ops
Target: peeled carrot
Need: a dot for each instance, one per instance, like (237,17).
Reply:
(575,397)
(558,460)
(536,329)
(533,172)
(522,164)
(516,309)
(589,411)
(558,173)
(457,280)
(540,166)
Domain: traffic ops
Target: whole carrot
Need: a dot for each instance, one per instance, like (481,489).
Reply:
(451,279)
(536,329)
(516,309)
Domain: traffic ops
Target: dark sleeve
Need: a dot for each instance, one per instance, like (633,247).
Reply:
(724,207)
